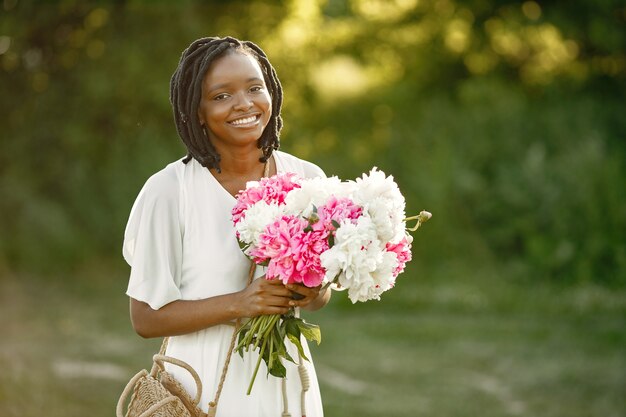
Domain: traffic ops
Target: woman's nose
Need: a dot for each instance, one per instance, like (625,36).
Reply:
(242,102)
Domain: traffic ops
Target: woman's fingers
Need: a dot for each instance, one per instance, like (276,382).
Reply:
(266,297)
(273,297)
(304,295)
(303,290)
(274,287)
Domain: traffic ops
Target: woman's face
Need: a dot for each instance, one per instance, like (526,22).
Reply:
(235,105)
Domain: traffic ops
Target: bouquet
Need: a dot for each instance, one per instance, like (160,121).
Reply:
(348,234)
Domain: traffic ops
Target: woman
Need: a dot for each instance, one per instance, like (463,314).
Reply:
(188,275)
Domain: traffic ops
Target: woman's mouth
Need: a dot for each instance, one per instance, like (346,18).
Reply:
(243,121)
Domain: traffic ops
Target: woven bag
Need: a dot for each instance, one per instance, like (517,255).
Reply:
(158,393)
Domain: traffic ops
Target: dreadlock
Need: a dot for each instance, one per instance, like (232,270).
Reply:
(186,93)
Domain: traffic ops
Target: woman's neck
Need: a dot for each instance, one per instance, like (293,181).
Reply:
(244,163)
(236,171)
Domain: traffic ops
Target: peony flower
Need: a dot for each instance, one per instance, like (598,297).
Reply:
(376,185)
(275,245)
(271,190)
(307,248)
(383,276)
(402,251)
(293,255)
(256,218)
(314,192)
(381,198)
(336,210)
(354,256)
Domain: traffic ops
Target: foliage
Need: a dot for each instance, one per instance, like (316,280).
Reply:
(502,118)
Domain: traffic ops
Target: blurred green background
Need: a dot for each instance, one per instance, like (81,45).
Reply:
(505,119)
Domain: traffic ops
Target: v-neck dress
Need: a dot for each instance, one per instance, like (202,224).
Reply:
(181,245)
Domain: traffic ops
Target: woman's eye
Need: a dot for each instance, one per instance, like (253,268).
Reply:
(220,97)
(256,89)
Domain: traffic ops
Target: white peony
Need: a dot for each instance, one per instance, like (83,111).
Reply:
(381,198)
(358,261)
(313,191)
(257,217)
(377,185)
(383,275)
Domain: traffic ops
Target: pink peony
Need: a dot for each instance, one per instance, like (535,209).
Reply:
(308,246)
(271,190)
(403,254)
(337,210)
(293,255)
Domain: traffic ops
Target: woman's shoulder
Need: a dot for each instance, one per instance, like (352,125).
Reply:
(300,166)
(165,183)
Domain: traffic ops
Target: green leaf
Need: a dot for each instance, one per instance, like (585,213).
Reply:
(291,326)
(335,223)
(281,349)
(296,341)
(278,369)
(310,331)
(288,357)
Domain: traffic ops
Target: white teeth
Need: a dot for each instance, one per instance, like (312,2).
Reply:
(243,121)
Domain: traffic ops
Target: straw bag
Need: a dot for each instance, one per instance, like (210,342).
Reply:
(158,393)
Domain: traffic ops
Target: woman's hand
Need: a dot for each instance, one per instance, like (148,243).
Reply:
(264,296)
(308,298)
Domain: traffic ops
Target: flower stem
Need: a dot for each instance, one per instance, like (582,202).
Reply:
(260,331)
(256,368)
(421,218)
(264,337)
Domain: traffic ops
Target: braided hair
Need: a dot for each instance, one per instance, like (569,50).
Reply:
(186,94)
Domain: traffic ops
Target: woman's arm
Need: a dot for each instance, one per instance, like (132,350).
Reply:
(186,316)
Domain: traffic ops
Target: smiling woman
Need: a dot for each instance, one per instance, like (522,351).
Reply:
(189,278)
(187,94)
(235,106)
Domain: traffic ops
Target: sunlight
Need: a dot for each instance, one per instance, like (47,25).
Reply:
(339,77)
(457,35)
(382,10)
(531,10)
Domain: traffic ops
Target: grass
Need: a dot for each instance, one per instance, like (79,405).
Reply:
(447,345)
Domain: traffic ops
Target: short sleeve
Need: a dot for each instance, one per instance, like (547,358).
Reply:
(153,242)
(311,170)
(306,169)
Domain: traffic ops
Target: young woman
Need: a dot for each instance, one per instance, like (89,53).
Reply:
(188,275)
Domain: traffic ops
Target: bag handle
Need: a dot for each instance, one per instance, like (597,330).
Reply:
(158,363)
(119,410)
(155,407)
(159,359)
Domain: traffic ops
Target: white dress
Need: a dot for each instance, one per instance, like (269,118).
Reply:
(181,245)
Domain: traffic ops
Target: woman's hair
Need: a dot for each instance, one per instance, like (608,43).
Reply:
(186,93)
